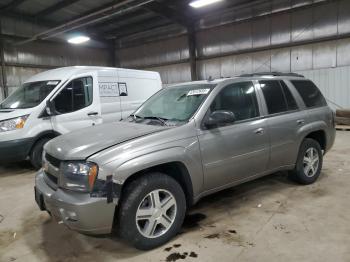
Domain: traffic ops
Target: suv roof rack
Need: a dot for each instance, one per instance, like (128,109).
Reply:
(271,74)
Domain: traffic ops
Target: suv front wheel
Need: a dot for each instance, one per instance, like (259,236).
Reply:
(309,162)
(152,210)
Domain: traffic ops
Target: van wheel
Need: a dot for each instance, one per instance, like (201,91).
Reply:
(309,163)
(152,210)
(36,153)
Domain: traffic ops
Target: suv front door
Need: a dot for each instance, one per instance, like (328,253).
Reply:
(76,106)
(239,150)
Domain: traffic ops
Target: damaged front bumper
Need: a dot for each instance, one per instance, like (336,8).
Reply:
(78,211)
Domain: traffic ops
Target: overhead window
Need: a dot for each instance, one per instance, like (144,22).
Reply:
(309,92)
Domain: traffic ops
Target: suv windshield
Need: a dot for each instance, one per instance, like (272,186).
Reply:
(174,104)
(29,95)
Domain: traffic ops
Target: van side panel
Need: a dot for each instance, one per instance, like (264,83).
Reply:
(140,86)
(109,95)
(122,91)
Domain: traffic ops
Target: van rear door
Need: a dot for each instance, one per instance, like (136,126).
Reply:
(77,105)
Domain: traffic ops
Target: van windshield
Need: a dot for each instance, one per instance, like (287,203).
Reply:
(174,104)
(29,95)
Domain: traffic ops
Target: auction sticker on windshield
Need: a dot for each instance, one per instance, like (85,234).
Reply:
(52,83)
(197,92)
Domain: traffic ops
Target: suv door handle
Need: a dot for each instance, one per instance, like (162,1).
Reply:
(300,122)
(92,114)
(259,131)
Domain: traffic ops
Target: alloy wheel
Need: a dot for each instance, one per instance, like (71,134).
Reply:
(311,162)
(156,213)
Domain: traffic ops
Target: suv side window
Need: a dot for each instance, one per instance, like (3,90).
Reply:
(76,95)
(309,92)
(278,97)
(291,103)
(239,98)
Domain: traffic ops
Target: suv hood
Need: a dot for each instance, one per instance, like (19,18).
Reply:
(81,144)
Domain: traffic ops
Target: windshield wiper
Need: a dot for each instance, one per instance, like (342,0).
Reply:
(136,116)
(160,119)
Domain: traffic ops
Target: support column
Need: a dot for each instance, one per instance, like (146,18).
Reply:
(114,61)
(2,65)
(192,47)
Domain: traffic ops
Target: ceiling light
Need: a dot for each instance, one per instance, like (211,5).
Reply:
(78,39)
(201,3)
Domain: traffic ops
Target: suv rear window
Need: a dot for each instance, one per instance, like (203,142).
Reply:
(277,96)
(309,92)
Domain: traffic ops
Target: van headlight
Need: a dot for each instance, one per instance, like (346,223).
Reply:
(78,175)
(13,123)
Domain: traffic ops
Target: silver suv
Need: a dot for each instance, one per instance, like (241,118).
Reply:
(140,175)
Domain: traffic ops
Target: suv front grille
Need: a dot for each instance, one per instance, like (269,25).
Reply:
(52,178)
(52,160)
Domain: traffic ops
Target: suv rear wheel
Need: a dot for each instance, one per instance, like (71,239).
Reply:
(309,162)
(152,210)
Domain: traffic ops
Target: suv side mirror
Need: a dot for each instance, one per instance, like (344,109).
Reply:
(220,117)
(50,108)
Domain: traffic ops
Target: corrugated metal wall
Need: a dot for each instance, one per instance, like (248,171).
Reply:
(334,84)
(312,38)
(30,59)
(304,38)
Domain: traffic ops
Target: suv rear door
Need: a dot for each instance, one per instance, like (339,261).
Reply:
(284,121)
(239,150)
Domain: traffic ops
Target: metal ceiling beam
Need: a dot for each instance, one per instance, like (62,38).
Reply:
(94,17)
(124,20)
(11,5)
(56,7)
(137,28)
(169,13)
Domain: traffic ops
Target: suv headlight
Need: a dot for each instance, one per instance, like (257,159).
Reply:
(13,124)
(78,175)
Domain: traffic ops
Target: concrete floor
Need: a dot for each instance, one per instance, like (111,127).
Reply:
(270,219)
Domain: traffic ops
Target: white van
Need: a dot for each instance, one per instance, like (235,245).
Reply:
(58,101)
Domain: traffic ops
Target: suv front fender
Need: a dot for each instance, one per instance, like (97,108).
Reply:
(169,155)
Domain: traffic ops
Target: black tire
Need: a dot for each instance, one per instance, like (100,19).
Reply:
(134,194)
(298,173)
(35,155)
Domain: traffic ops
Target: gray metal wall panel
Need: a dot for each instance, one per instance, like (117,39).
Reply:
(280,29)
(227,66)
(302,25)
(325,55)
(160,52)
(261,32)
(301,58)
(243,64)
(334,84)
(17,75)
(325,20)
(343,52)
(280,60)
(210,68)
(173,73)
(242,36)
(261,61)
(344,17)
(55,55)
